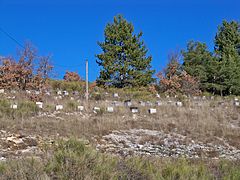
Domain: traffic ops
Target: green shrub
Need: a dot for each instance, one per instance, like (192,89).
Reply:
(22,169)
(72,159)
(71,106)
(66,85)
(5,109)
(26,109)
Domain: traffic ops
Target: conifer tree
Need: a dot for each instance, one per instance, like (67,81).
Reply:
(227,43)
(124,59)
(196,59)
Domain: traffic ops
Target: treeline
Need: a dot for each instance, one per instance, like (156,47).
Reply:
(217,71)
(125,63)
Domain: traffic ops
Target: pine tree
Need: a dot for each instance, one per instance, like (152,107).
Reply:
(196,59)
(227,43)
(124,60)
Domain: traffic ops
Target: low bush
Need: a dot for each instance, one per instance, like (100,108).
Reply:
(24,109)
(74,160)
(67,85)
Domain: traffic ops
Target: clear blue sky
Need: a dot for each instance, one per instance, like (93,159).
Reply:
(70,29)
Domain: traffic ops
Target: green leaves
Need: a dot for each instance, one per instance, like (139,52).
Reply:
(219,72)
(124,60)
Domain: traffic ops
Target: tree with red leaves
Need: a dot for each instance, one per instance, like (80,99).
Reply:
(176,81)
(29,72)
(71,77)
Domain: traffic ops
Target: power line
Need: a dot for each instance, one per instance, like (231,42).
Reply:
(12,38)
(17,42)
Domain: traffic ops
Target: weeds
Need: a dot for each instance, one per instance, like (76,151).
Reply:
(73,160)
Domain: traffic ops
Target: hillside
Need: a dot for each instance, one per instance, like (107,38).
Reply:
(199,134)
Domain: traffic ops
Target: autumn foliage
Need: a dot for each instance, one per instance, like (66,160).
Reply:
(71,77)
(30,72)
(174,80)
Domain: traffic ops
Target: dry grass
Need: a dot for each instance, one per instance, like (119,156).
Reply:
(73,160)
(204,123)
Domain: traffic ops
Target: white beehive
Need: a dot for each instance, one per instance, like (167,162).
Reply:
(14,106)
(152,111)
(236,103)
(127,103)
(13,92)
(39,105)
(28,91)
(115,95)
(1,91)
(179,104)
(96,109)
(134,109)
(65,93)
(159,103)
(142,103)
(80,108)
(59,107)
(110,109)
(148,103)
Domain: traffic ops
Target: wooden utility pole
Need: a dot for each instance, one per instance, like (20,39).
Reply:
(87,81)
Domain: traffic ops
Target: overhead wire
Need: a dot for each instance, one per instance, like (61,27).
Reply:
(18,43)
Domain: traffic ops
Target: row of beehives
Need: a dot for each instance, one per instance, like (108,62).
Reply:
(129,103)
(61,93)
(168,102)
(65,93)
(109,109)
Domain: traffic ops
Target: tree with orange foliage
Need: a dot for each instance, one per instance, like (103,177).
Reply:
(71,76)
(29,72)
(174,80)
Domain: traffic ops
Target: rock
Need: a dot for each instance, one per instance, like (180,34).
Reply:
(174,145)
(15,140)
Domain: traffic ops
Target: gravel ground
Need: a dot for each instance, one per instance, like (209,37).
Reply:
(149,142)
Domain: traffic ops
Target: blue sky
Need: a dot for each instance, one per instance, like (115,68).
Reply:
(70,29)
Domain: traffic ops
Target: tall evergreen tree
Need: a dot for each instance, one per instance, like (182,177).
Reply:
(196,61)
(227,43)
(124,60)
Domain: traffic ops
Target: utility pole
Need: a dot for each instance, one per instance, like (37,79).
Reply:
(87,81)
